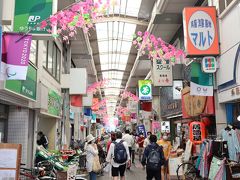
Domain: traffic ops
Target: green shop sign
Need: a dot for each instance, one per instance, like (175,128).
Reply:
(145,89)
(25,88)
(54,103)
(30,12)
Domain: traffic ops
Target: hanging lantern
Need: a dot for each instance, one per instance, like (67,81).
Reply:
(197,132)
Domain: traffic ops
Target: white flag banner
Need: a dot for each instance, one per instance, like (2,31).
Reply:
(200,90)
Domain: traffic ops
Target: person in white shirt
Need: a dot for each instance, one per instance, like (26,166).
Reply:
(91,150)
(118,168)
(147,141)
(130,142)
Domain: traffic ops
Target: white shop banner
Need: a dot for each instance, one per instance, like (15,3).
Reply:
(162,73)
(200,90)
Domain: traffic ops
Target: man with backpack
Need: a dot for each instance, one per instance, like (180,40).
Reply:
(118,156)
(153,158)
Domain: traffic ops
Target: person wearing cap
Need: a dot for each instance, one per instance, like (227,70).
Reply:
(91,150)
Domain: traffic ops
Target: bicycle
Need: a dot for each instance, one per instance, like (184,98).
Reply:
(187,170)
(40,172)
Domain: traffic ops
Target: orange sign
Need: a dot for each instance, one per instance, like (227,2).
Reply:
(95,104)
(200,31)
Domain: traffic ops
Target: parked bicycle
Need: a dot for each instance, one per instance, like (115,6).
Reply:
(187,170)
(43,170)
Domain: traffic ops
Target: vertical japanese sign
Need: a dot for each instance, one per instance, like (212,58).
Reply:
(141,129)
(15,56)
(145,90)
(165,126)
(95,104)
(162,73)
(30,13)
(200,31)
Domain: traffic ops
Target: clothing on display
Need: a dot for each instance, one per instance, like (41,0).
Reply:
(231,136)
(217,169)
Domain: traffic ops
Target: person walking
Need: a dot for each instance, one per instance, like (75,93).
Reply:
(166,149)
(133,148)
(153,159)
(130,142)
(42,140)
(140,142)
(119,157)
(147,141)
(92,151)
(112,139)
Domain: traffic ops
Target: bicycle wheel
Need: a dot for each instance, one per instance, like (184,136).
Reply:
(187,171)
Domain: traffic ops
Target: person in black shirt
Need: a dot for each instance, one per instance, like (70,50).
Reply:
(153,159)
(43,140)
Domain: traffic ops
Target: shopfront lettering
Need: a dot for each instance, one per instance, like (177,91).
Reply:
(52,102)
(171,106)
(25,52)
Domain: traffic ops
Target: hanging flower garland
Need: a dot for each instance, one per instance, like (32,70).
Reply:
(122,110)
(130,96)
(93,88)
(80,15)
(156,48)
(102,111)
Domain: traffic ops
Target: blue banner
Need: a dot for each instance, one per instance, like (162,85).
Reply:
(141,129)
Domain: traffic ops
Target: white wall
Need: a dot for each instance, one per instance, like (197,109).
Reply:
(229,28)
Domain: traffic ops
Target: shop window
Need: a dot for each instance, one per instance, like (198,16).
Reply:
(50,57)
(223,4)
(44,60)
(58,63)
(34,52)
(53,59)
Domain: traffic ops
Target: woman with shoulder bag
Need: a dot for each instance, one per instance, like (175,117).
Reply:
(92,157)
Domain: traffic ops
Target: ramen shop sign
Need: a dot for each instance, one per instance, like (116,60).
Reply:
(200,31)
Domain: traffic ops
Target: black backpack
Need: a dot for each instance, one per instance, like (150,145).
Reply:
(120,153)
(155,159)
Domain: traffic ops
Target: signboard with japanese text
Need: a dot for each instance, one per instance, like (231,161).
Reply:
(26,88)
(162,73)
(200,31)
(28,14)
(54,103)
(95,104)
(209,64)
(165,126)
(141,129)
(145,90)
